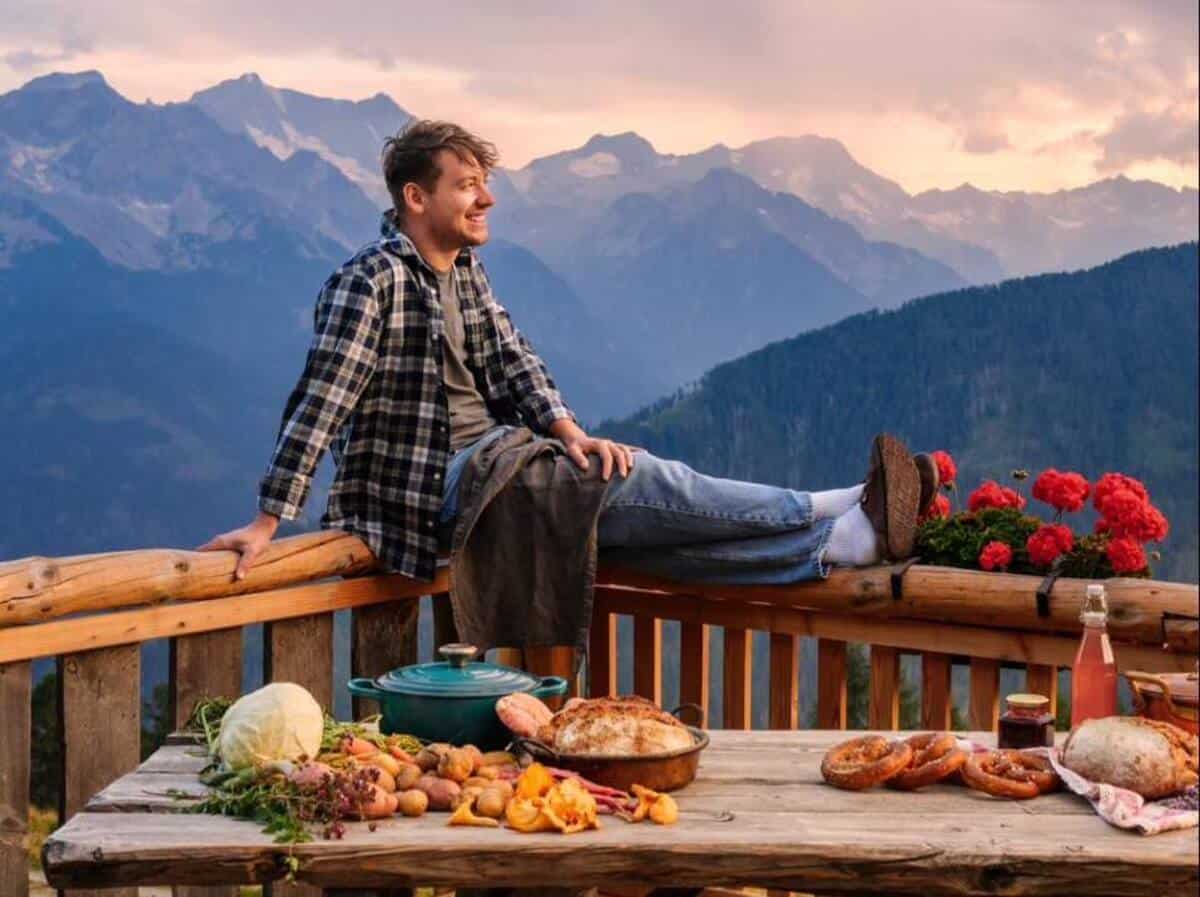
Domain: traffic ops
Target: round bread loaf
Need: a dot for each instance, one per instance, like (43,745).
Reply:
(1153,758)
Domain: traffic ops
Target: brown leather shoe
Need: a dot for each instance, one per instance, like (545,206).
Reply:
(891,496)
(928,471)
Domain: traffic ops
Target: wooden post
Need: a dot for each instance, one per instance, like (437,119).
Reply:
(554,660)
(831,684)
(15,692)
(208,664)
(1043,680)
(936,700)
(602,656)
(785,681)
(694,667)
(99,707)
(738,679)
(382,637)
(985,694)
(647,658)
(884,708)
(300,650)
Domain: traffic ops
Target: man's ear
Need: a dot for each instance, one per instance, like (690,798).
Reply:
(414,198)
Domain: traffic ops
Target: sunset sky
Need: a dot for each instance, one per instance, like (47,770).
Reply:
(932,93)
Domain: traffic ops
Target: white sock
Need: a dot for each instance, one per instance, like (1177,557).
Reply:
(853,542)
(835,502)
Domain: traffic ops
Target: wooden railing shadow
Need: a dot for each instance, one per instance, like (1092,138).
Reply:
(92,613)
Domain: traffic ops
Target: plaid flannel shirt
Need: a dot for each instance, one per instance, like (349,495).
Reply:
(372,391)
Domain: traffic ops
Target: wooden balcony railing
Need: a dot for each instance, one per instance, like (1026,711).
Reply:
(92,613)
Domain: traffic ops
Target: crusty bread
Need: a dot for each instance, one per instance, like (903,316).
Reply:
(1153,758)
(627,725)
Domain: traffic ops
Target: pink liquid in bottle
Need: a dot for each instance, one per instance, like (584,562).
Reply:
(1094,676)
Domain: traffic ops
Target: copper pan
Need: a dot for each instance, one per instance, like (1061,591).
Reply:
(667,771)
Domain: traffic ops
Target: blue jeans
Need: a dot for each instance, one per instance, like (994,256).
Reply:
(668,520)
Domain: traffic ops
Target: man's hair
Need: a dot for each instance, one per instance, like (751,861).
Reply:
(412,155)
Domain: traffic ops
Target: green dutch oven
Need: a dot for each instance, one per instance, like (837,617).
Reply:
(453,700)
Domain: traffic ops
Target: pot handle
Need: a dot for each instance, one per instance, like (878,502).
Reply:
(364,688)
(694,708)
(1135,677)
(550,687)
(535,749)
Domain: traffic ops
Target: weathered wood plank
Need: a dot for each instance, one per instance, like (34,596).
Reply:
(301,651)
(208,664)
(382,637)
(694,667)
(15,689)
(985,693)
(884,706)
(1043,680)
(99,707)
(831,684)
(602,655)
(959,853)
(738,678)
(187,618)
(785,681)
(936,699)
(205,665)
(647,658)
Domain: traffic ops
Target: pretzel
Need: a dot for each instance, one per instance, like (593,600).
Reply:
(863,762)
(1009,774)
(935,756)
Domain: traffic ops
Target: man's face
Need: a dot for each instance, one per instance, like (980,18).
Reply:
(456,210)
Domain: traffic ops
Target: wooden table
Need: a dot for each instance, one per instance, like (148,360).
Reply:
(758,814)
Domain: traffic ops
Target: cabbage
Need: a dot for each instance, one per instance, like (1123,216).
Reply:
(280,721)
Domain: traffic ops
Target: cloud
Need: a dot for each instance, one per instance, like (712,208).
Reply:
(1171,135)
(927,91)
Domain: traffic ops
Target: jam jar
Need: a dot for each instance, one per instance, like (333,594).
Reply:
(1026,722)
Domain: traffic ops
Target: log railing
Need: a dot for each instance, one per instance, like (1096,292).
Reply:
(92,613)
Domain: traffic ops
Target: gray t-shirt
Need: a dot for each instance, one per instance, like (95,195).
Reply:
(469,415)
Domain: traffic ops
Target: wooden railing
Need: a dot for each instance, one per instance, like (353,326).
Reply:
(92,613)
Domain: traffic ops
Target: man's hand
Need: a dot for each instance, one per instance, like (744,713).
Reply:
(579,445)
(249,541)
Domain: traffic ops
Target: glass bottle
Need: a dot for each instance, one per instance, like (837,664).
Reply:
(1094,676)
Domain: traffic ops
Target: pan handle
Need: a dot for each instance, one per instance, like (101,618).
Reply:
(535,749)
(694,708)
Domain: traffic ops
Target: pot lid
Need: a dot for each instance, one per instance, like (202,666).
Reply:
(458,676)
(1184,687)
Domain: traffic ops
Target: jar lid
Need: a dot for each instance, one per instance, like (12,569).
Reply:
(1027,701)
(458,676)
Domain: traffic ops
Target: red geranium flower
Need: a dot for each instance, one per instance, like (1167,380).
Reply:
(1111,483)
(1063,491)
(946,468)
(1101,526)
(995,556)
(992,495)
(1126,556)
(1050,541)
(939,507)
(1137,520)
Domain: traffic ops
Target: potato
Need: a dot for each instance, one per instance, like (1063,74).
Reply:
(505,788)
(384,779)
(467,794)
(442,793)
(475,754)
(497,758)
(477,782)
(383,760)
(455,764)
(487,772)
(407,777)
(379,805)
(310,774)
(413,802)
(491,803)
(428,758)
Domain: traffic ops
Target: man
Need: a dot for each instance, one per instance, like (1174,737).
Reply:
(414,367)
